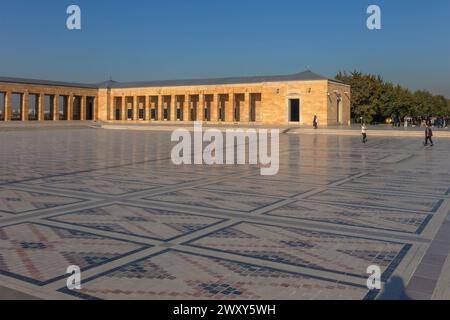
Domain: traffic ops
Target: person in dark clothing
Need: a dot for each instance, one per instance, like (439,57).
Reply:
(428,135)
(315,122)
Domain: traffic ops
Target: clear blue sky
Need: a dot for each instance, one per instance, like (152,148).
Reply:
(178,39)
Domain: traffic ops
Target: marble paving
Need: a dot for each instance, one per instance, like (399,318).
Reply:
(139,227)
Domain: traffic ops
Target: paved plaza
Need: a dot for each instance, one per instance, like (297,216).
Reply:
(111,202)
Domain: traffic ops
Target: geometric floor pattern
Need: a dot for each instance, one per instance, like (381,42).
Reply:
(350,215)
(145,222)
(139,227)
(312,249)
(20,201)
(202,277)
(38,253)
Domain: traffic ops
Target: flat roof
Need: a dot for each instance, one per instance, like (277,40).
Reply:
(48,83)
(301,76)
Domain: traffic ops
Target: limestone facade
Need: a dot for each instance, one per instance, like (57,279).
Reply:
(284,100)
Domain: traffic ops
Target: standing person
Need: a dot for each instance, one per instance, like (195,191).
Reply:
(428,135)
(364,132)
(315,122)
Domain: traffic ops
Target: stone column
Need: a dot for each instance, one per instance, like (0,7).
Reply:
(56,107)
(83,108)
(173,108)
(215,108)
(160,108)
(70,99)
(41,109)
(201,107)
(25,106)
(229,110)
(111,110)
(245,108)
(124,111)
(8,106)
(135,108)
(147,108)
(186,108)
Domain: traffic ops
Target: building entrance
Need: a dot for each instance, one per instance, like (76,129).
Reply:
(294,110)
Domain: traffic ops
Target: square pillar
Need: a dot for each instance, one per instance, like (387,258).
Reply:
(25,106)
(201,107)
(186,108)
(8,106)
(160,108)
(41,108)
(147,108)
(173,108)
(83,108)
(229,109)
(112,111)
(135,108)
(70,99)
(55,107)
(124,115)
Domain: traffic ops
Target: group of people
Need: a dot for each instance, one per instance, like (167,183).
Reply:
(440,121)
(428,134)
(428,130)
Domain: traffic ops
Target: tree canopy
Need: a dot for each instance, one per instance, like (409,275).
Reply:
(376,100)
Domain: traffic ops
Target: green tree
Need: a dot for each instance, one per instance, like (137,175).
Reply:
(375,99)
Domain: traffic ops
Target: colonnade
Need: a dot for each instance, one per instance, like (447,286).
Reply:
(27,106)
(215,107)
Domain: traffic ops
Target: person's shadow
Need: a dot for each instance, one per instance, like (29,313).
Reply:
(394,289)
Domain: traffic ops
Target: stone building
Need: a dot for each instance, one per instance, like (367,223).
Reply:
(267,100)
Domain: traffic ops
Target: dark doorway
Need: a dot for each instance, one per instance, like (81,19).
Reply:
(154,114)
(63,104)
(76,112)
(33,107)
(118,108)
(141,108)
(16,106)
(193,108)
(294,110)
(179,113)
(49,107)
(129,104)
(154,108)
(222,104)
(90,108)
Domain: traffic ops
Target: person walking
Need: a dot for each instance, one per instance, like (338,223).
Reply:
(364,132)
(428,135)
(315,122)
